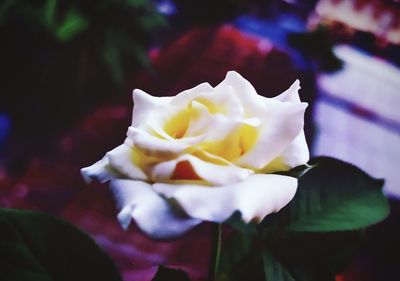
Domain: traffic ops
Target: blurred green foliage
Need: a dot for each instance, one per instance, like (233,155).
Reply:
(61,58)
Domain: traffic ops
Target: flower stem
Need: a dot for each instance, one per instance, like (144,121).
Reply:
(215,251)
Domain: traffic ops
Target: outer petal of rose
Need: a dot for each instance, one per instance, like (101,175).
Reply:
(152,213)
(291,94)
(99,170)
(244,91)
(294,155)
(282,123)
(297,152)
(184,97)
(117,162)
(120,159)
(220,100)
(255,197)
(270,139)
(216,175)
(144,105)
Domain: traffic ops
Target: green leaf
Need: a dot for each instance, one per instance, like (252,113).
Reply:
(112,56)
(249,268)
(241,256)
(5,7)
(332,251)
(334,196)
(236,221)
(49,11)
(298,171)
(274,270)
(167,274)
(38,247)
(73,24)
(237,248)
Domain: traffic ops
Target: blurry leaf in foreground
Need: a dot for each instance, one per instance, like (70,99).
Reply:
(73,24)
(334,196)
(237,223)
(168,274)
(36,246)
(236,249)
(49,11)
(274,271)
(4,8)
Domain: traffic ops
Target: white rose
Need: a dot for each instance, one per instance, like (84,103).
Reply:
(204,154)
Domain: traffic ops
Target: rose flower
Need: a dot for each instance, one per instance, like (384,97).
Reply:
(204,154)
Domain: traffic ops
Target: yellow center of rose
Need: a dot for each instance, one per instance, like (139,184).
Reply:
(241,139)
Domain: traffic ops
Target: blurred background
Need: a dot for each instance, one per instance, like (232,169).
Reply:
(67,69)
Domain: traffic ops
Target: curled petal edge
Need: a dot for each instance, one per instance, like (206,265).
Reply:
(255,197)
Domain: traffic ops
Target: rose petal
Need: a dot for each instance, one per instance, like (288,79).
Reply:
(291,94)
(255,197)
(154,146)
(244,91)
(294,155)
(214,127)
(213,174)
(121,160)
(99,171)
(280,126)
(294,144)
(116,163)
(297,152)
(145,105)
(185,97)
(152,213)
(223,101)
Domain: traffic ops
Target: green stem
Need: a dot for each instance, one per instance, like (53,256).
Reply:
(215,251)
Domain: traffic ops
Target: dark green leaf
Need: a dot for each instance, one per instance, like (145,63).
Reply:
(334,251)
(112,57)
(236,249)
(274,270)
(73,24)
(36,246)
(298,171)
(4,9)
(237,223)
(241,258)
(334,196)
(249,268)
(169,274)
(50,12)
